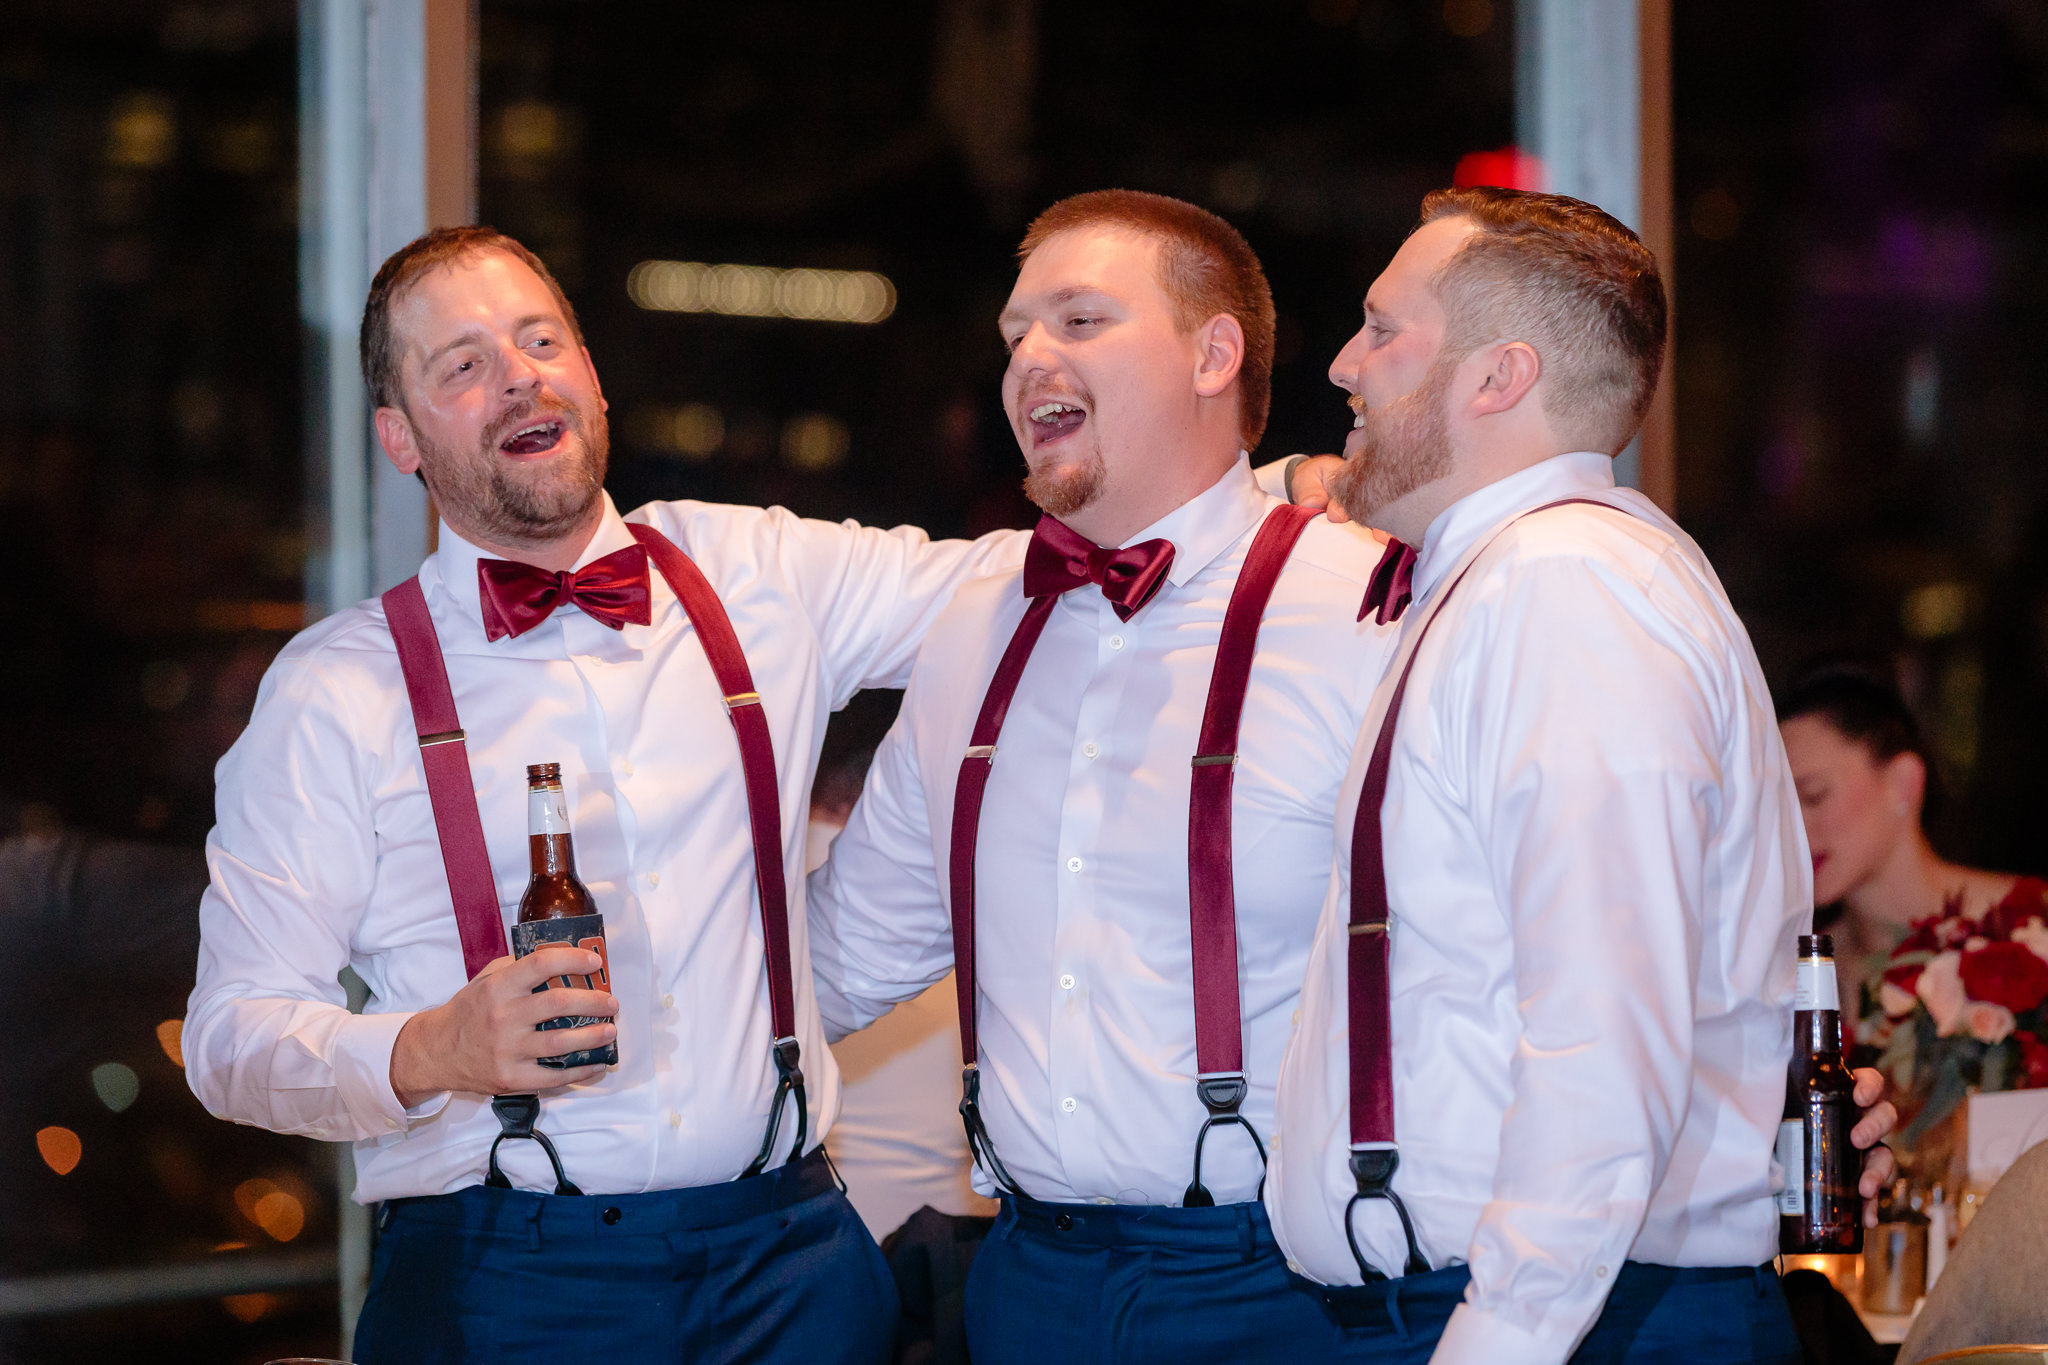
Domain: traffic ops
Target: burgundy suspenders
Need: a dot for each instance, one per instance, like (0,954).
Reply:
(467,861)
(1374,1153)
(1212,905)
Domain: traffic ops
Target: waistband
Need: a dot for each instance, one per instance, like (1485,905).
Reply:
(1389,1302)
(523,1213)
(1240,1228)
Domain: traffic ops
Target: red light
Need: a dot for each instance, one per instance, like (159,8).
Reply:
(1509,168)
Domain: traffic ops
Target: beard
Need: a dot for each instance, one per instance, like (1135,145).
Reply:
(1061,489)
(1404,445)
(484,492)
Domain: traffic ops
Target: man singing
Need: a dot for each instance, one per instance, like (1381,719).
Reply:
(679,669)
(1530,1108)
(1114,806)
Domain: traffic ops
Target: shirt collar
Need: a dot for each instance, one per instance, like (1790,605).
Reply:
(1472,518)
(1211,522)
(451,569)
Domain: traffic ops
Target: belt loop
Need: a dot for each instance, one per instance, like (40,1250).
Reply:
(1393,1288)
(1247,1235)
(533,1226)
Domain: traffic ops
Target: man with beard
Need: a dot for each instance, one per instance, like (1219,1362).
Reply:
(372,816)
(1128,874)
(1531,1105)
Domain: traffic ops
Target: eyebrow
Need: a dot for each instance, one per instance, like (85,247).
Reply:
(1056,298)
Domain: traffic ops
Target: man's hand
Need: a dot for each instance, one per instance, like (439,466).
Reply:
(484,1040)
(1879,1118)
(1309,485)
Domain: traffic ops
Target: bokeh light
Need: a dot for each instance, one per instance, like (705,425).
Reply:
(61,1149)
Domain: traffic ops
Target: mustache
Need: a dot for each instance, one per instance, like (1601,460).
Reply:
(545,405)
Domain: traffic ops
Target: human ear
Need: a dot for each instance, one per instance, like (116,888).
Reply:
(1512,369)
(1220,355)
(1905,784)
(395,434)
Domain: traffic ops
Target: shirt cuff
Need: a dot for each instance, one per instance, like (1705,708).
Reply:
(362,1073)
(1475,1337)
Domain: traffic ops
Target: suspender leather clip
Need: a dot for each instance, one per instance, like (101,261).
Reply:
(517,1115)
(788,1053)
(1223,1094)
(978,1145)
(1373,1168)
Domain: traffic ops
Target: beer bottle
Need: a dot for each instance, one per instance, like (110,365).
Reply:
(557,907)
(1819,1211)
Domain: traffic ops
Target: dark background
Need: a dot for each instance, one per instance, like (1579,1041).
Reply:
(1858,274)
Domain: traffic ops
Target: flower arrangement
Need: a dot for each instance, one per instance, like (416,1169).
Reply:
(1963,1004)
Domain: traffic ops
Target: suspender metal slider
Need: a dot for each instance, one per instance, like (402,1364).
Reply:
(1212,760)
(443,737)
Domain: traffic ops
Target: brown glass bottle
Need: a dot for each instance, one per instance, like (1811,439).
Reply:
(553,892)
(1819,1211)
(557,906)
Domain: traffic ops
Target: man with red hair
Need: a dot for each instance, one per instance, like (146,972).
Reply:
(1109,794)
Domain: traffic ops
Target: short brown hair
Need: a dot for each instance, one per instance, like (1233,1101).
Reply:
(404,268)
(1573,282)
(1205,268)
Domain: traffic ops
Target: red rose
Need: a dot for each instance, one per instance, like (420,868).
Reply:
(2005,974)
(1906,975)
(2033,1058)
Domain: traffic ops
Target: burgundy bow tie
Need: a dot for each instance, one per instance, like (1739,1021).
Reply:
(1387,592)
(1061,559)
(517,597)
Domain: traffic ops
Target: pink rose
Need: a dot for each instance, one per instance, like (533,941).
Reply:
(1940,988)
(2034,935)
(1988,1023)
(1897,1003)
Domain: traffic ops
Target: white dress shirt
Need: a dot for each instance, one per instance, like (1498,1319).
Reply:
(1086,971)
(1597,875)
(325,855)
(897,1142)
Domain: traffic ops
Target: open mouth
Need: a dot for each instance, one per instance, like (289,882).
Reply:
(1055,421)
(535,438)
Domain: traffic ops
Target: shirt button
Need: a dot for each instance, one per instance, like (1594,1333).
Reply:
(1599,1272)
(1089,750)
(1066,981)
(626,767)
(1116,642)
(675,1119)
(1070,1104)
(654,879)
(1294,1266)
(1073,864)
(1104,1199)
(668,1002)
(1295,1019)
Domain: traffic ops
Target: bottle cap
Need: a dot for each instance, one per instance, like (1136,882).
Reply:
(1810,945)
(552,772)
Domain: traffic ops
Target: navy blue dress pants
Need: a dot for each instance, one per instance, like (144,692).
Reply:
(1091,1284)
(776,1267)
(1656,1315)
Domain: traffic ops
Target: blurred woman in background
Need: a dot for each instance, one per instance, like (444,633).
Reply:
(1862,771)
